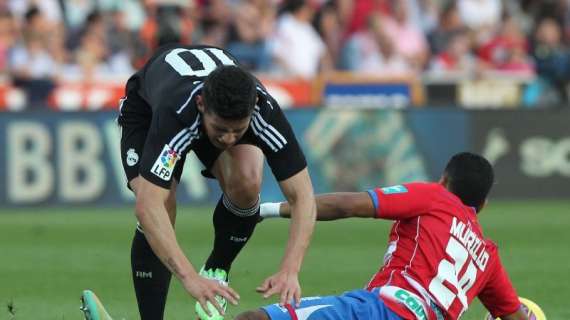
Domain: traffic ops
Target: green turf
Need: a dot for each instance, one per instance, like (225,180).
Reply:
(48,256)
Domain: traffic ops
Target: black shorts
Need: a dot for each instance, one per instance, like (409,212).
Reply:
(135,126)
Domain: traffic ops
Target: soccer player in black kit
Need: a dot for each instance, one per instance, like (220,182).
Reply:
(198,98)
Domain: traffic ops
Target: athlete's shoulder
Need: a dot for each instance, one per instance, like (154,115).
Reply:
(433,186)
(176,47)
(176,73)
(188,62)
(422,184)
(491,245)
(444,196)
(267,105)
(418,187)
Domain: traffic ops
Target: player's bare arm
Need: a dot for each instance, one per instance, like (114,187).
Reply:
(299,193)
(339,205)
(152,215)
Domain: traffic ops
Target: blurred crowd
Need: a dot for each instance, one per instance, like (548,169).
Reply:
(47,42)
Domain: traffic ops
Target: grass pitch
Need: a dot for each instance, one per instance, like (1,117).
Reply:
(48,256)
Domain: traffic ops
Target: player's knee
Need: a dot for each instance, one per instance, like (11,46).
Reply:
(244,190)
(252,315)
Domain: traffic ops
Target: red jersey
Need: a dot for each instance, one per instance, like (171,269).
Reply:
(437,251)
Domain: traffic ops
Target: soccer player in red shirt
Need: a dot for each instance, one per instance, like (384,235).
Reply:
(437,260)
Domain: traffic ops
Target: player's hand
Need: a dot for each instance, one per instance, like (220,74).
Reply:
(205,290)
(285,283)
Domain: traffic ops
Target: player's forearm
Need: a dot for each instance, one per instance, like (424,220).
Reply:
(303,215)
(332,206)
(160,235)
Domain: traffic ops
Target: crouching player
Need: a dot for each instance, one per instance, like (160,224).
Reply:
(437,259)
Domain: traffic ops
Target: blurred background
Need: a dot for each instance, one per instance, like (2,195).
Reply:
(378,92)
(77,54)
(406,83)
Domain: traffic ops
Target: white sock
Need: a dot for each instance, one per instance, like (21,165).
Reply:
(269,210)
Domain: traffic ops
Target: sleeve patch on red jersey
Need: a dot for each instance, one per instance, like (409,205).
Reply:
(394,189)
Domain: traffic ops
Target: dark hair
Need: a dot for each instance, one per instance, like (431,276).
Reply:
(291,6)
(328,6)
(470,177)
(93,17)
(31,13)
(230,92)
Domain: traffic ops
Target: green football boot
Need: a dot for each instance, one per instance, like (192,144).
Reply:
(221,276)
(92,307)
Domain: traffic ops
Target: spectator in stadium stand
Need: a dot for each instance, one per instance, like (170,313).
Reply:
(328,24)
(90,60)
(456,60)
(7,40)
(559,10)
(93,23)
(360,10)
(31,64)
(372,51)
(166,21)
(249,30)
(214,19)
(297,48)
(481,16)
(93,62)
(409,41)
(119,42)
(508,50)
(448,25)
(552,57)
(424,14)
(556,9)
(212,33)
(119,39)
(565,10)
(217,10)
(50,9)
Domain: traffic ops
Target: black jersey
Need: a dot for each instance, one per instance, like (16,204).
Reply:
(162,97)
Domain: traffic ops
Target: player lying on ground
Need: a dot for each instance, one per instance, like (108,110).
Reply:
(437,259)
(197,98)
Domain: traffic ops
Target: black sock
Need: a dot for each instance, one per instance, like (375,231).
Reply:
(233,228)
(150,277)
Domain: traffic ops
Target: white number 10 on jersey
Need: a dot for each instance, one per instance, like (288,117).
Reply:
(208,64)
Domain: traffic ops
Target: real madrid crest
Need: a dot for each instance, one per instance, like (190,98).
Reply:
(132,157)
